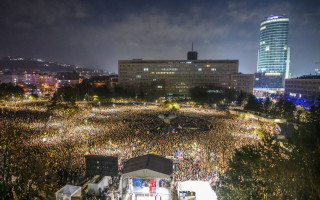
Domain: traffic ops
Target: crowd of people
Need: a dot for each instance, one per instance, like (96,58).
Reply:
(50,149)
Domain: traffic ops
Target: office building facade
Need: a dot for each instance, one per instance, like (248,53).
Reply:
(177,77)
(303,89)
(274,53)
(242,82)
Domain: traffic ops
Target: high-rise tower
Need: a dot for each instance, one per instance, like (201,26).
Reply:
(274,53)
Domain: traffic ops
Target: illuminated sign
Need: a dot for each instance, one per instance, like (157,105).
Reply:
(273,74)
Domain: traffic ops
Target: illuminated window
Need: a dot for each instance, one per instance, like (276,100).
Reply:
(208,65)
(267,48)
(262,28)
(138,76)
(154,79)
(213,69)
(145,69)
(159,86)
(200,69)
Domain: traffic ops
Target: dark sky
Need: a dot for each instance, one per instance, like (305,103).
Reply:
(96,33)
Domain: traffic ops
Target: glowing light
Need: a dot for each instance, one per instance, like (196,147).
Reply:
(262,28)
(275,20)
(273,74)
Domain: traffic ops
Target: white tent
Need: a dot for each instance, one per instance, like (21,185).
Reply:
(97,184)
(145,173)
(68,192)
(202,189)
(146,167)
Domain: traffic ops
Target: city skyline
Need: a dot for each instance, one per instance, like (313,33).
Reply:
(98,34)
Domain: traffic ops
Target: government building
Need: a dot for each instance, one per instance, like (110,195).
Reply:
(177,77)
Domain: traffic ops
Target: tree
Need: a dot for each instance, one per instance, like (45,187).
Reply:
(267,105)
(273,171)
(213,94)
(102,92)
(10,92)
(284,108)
(306,151)
(253,104)
(257,172)
(241,98)
(288,110)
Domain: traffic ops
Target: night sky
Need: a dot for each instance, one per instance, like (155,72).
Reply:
(94,33)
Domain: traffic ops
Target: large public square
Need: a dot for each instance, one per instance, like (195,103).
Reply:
(44,151)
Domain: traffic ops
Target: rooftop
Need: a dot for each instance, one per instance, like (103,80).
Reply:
(309,77)
(150,161)
(276,17)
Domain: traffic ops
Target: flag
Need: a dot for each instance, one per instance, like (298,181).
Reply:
(153,183)
(137,184)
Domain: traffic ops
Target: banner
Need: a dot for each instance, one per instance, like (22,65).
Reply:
(137,185)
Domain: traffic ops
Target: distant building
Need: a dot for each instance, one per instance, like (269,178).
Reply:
(40,79)
(269,80)
(304,88)
(99,81)
(176,77)
(87,73)
(274,53)
(242,82)
(113,80)
(40,83)
(110,81)
(12,78)
(70,78)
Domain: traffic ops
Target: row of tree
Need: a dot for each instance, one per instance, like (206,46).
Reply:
(282,108)
(9,91)
(86,91)
(213,95)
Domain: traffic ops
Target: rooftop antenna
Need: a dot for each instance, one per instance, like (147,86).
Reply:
(192,55)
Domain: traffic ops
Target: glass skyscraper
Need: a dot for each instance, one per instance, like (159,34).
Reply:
(274,53)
